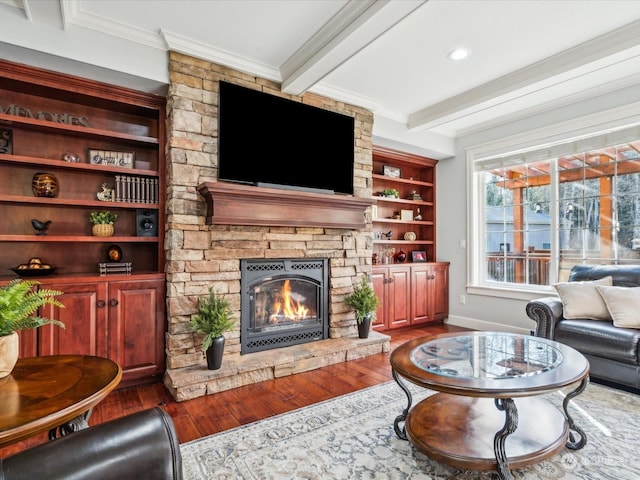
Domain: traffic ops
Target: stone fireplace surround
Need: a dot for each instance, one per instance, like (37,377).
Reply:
(202,251)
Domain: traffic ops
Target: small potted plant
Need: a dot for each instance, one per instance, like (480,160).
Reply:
(19,304)
(102,222)
(213,319)
(391,193)
(364,302)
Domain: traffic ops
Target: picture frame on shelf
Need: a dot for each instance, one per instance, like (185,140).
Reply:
(418,256)
(389,171)
(406,215)
(111,158)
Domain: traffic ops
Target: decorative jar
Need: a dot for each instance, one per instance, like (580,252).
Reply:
(45,185)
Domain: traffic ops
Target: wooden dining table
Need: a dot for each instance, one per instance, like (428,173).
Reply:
(53,393)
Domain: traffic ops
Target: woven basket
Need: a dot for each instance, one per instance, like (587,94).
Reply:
(103,230)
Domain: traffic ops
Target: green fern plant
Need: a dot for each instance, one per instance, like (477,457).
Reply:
(213,318)
(19,304)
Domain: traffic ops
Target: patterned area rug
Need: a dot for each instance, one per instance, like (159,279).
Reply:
(352,437)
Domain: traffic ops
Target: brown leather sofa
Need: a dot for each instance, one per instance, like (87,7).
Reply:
(613,352)
(142,445)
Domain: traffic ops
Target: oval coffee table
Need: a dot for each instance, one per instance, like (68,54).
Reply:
(488,414)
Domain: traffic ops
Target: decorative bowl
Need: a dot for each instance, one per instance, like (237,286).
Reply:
(34,272)
(411,236)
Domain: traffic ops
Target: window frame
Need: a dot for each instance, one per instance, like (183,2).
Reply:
(584,128)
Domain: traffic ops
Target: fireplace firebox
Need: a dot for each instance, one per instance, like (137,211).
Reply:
(283,302)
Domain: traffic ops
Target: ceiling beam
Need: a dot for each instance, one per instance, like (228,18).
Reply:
(354,27)
(48,13)
(554,69)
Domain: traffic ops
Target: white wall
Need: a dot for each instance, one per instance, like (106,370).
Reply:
(489,312)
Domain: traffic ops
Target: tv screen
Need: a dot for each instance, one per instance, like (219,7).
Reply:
(271,141)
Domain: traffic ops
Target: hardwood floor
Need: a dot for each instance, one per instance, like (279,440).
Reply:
(215,413)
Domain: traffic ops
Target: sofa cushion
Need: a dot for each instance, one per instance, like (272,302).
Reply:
(623,304)
(581,300)
(600,338)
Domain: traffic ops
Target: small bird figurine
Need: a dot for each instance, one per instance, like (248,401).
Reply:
(41,227)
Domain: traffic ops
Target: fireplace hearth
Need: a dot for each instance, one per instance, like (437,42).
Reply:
(283,302)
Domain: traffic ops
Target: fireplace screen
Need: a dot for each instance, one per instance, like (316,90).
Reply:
(284,302)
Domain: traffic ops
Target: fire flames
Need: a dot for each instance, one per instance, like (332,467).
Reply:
(287,307)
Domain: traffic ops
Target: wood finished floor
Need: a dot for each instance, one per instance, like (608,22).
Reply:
(211,414)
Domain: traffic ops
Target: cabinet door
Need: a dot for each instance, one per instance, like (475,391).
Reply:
(421,301)
(379,278)
(440,292)
(85,318)
(136,327)
(429,293)
(398,297)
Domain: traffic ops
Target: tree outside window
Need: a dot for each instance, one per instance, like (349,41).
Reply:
(561,211)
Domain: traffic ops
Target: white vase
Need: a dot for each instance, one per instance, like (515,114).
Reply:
(9,345)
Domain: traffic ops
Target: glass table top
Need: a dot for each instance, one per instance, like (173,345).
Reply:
(494,356)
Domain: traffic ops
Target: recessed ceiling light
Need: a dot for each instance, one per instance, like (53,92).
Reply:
(458,54)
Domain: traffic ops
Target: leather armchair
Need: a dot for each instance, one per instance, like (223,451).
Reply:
(141,445)
(613,352)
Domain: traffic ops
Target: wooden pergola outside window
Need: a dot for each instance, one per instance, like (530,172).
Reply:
(597,213)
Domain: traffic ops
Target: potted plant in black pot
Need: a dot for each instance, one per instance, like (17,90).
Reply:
(19,306)
(213,319)
(364,302)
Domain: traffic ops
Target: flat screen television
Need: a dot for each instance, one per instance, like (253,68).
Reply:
(271,141)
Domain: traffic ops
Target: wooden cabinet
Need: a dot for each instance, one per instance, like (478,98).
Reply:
(393,288)
(411,294)
(120,319)
(406,223)
(104,147)
(429,292)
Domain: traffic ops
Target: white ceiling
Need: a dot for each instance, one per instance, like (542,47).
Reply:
(387,56)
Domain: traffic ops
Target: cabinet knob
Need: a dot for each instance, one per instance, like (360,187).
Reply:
(113,302)
(101,303)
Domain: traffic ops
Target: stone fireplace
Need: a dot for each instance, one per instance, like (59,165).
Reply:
(213,228)
(283,302)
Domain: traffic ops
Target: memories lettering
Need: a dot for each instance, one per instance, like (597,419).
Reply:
(66,118)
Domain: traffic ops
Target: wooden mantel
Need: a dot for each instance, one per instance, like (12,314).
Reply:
(235,204)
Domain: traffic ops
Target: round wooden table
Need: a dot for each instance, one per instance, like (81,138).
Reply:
(488,415)
(52,393)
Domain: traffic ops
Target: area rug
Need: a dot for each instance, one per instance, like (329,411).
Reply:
(352,437)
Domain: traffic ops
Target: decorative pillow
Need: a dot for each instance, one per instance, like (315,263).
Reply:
(623,304)
(582,300)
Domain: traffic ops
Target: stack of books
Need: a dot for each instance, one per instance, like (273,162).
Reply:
(114,268)
(136,189)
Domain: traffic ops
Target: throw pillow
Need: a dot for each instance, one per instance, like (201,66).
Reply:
(623,304)
(582,300)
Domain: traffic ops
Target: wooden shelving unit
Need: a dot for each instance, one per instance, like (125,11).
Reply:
(46,115)
(411,292)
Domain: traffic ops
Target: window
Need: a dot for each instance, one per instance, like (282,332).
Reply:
(539,212)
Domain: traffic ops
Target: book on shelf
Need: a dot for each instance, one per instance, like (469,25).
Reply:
(113,268)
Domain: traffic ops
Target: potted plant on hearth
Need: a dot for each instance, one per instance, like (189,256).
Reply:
(364,302)
(213,319)
(19,304)
(102,222)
